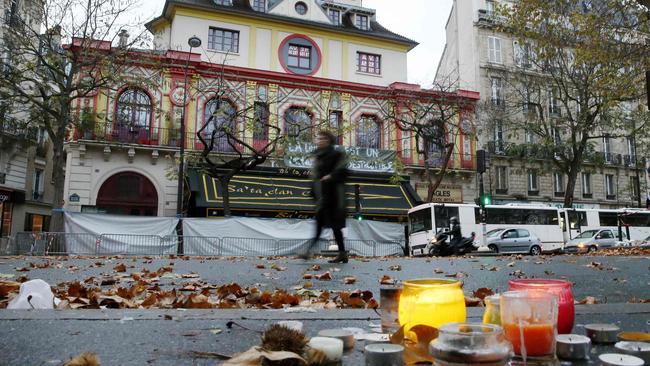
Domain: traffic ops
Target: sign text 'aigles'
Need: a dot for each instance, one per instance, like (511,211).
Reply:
(359,158)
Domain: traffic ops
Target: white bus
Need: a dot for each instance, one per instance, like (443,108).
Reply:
(430,218)
(635,223)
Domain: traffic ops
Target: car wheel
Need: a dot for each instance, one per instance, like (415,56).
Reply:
(535,250)
(592,249)
(493,248)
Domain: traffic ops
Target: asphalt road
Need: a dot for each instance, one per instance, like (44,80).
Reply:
(611,279)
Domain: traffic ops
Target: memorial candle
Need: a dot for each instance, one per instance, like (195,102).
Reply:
(381,354)
(637,349)
(617,359)
(572,346)
(331,347)
(602,333)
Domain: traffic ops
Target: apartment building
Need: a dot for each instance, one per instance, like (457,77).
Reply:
(483,58)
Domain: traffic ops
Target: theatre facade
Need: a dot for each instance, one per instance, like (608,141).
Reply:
(319,70)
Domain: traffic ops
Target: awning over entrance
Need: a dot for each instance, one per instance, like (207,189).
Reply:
(287,193)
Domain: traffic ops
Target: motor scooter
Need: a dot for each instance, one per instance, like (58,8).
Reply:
(441,246)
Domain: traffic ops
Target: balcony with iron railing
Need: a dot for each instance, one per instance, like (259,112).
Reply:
(489,17)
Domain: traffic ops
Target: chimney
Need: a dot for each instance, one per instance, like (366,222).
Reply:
(124,38)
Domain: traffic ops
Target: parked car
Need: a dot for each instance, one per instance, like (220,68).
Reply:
(590,241)
(511,240)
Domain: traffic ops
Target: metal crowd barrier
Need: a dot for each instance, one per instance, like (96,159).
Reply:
(50,243)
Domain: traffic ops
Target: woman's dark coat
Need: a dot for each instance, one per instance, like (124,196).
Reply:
(330,194)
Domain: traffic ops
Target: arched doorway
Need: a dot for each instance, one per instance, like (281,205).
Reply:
(128,193)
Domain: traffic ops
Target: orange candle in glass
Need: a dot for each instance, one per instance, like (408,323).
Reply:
(529,320)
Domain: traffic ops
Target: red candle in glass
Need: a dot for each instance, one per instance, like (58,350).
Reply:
(561,288)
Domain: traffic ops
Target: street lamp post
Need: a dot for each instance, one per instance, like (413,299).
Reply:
(193,42)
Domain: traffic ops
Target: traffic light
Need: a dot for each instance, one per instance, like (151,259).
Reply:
(358,216)
(481,161)
(484,200)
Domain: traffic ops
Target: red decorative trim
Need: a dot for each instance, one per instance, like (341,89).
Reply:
(319,60)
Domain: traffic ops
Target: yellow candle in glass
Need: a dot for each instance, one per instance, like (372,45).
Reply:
(431,302)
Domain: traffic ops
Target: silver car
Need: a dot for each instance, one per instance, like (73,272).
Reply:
(511,240)
(590,241)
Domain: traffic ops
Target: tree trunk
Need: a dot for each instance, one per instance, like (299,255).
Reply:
(572,178)
(58,177)
(225,182)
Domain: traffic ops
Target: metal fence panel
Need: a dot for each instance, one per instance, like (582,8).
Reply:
(248,247)
(127,244)
(201,245)
(48,243)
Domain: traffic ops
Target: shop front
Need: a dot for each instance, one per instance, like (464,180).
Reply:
(8,200)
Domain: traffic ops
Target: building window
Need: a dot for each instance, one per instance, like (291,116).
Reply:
(301,8)
(368,133)
(406,144)
(499,141)
(530,137)
(335,16)
(299,57)
(36,223)
(467,148)
(634,188)
(553,103)
(558,184)
(522,55)
(369,63)
(335,125)
(586,185)
(261,123)
(494,50)
(298,124)
(557,136)
(501,178)
(631,149)
(610,191)
(223,2)
(361,22)
(37,187)
(607,149)
(496,92)
(219,121)
(489,7)
(224,40)
(134,109)
(533,183)
(259,5)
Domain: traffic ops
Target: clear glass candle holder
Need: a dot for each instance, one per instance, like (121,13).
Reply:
(432,302)
(470,344)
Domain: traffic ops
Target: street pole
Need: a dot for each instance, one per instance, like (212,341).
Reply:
(193,42)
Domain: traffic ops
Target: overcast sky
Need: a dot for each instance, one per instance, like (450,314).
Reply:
(420,20)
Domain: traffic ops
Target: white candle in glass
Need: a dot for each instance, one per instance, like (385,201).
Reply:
(617,359)
(384,354)
(572,346)
(331,347)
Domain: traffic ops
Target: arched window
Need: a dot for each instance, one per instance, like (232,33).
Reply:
(368,133)
(219,118)
(134,109)
(298,124)
(435,139)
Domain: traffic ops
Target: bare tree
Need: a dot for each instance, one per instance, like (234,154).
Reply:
(45,74)
(433,118)
(578,78)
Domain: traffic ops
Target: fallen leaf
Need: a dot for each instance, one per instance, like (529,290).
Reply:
(260,266)
(494,269)
(457,275)
(190,275)
(324,276)
(22,269)
(307,276)
(438,270)
(396,267)
(315,267)
(386,280)
(278,268)
(6,275)
(84,359)
(589,300)
(483,292)
(349,280)
(511,264)
(472,301)
(216,331)
(120,268)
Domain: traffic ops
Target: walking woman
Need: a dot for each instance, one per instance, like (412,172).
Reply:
(329,174)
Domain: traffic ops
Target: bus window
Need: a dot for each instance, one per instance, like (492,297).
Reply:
(637,219)
(443,214)
(608,218)
(519,216)
(420,220)
(577,219)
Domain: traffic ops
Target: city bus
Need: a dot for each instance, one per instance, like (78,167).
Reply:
(634,223)
(430,218)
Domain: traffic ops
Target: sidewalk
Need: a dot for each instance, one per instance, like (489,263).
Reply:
(176,337)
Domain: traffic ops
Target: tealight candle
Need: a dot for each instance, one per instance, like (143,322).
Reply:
(602,333)
(373,338)
(331,347)
(572,346)
(346,336)
(617,359)
(637,349)
(381,354)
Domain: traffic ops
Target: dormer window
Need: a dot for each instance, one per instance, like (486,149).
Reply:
(301,8)
(335,16)
(223,2)
(259,5)
(361,21)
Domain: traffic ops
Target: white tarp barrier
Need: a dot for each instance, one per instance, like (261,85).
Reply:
(120,234)
(255,236)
